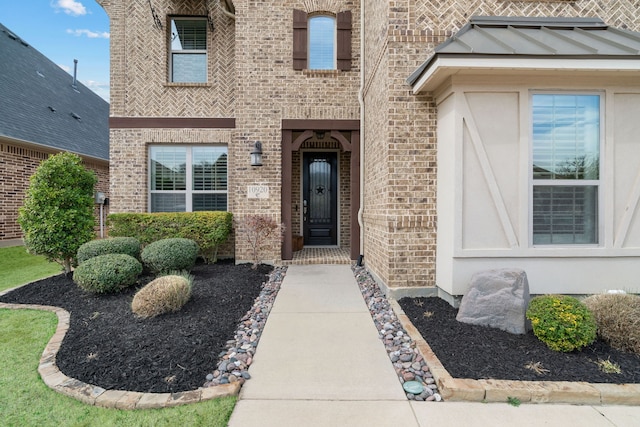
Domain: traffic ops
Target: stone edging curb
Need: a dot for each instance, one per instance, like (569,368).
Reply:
(463,389)
(98,396)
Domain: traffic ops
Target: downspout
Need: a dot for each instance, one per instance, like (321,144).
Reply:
(361,101)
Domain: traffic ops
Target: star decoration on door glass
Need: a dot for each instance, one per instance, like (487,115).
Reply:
(320,190)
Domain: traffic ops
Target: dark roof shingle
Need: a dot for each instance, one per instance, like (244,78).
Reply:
(40,106)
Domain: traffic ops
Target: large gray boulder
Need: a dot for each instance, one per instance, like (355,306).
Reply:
(497,298)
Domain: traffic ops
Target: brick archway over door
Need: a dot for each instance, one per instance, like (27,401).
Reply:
(307,127)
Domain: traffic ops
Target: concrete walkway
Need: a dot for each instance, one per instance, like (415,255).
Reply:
(320,363)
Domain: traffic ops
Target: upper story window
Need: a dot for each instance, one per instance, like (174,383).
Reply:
(188,55)
(322,43)
(566,168)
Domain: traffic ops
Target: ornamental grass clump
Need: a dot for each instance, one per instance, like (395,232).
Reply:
(175,254)
(107,273)
(165,294)
(562,322)
(618,319)
(112,245)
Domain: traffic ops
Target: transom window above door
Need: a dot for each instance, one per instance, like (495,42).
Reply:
(565,168)
(188,50)
(187,179)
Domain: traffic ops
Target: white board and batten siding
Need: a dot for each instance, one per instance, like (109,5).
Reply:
(485,186)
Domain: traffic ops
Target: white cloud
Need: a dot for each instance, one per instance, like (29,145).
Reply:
(90,34)
(70,7)
(99,88)
(94,85)
(65,67)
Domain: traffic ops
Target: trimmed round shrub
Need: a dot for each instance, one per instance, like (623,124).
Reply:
(562,322)
(173,254)
(618,319)
(107,273)
(112,245)
(165,294)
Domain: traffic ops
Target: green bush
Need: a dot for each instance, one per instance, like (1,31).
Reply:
(618,319)
(112,245)
(163,295)
(562,322)
(170,255)
(107,273)
(208,229)
(57,215)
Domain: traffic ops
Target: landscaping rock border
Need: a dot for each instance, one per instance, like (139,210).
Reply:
(252,322)
(488,390)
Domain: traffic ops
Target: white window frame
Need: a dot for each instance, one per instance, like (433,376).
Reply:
(189,191)
(188,51)
(310,52)
(599,183)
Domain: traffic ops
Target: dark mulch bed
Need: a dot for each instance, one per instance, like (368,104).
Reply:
(108,346)
(477,352)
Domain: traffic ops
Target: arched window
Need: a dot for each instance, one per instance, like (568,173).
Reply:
(322,42)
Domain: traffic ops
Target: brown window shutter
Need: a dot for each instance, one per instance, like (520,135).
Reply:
(343,53)
(299,39)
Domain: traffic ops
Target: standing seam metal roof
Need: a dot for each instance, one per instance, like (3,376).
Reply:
(536,37)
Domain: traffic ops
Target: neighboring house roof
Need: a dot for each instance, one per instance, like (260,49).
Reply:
(560,41)
(40,106)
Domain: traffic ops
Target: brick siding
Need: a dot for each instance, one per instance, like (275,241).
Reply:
(18,163)
(251,79)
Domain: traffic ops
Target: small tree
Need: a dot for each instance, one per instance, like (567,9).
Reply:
(57,215)
(259,232)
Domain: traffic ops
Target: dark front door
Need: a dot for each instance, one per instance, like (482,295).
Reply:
(320,199)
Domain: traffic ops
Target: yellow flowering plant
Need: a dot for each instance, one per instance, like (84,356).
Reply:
(562,322)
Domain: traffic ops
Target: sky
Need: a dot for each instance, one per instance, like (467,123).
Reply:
(64,30)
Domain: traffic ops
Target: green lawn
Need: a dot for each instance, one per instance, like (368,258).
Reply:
(26,401)
(17,267)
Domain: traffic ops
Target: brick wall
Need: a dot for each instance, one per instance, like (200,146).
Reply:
(251,79)
(272,90)
(17,164)
(399,129)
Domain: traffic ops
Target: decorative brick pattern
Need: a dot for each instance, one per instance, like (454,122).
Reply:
(251,79)
(400,128)
(320,256)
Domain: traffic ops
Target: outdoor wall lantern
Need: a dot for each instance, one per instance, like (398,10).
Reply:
(256,154)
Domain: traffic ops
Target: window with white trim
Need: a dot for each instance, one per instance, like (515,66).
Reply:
(188,50)
(322,42)
(565,168)
(187,179)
